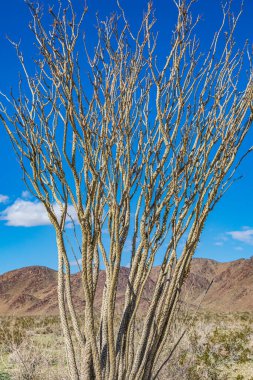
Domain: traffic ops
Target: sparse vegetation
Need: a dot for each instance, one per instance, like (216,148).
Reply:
(215,347)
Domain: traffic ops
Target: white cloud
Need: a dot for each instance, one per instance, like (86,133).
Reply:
(238,248)
(76,263)
(182,243)
(25,213)
(128,246)
(3,198)
(221,238)
(219,243)
(245,236)
(29,214)
(245,228)
(26,195)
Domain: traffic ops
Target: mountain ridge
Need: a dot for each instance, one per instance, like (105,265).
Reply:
(33,290)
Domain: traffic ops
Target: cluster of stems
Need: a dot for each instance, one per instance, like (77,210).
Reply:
(141,148)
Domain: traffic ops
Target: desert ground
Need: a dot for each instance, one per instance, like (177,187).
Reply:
(214,346)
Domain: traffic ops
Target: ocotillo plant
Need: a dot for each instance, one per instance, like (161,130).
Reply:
(115,140)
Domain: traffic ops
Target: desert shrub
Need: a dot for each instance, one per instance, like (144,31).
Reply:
(221,347)
(24,361)
(28,349)
(215,347)
(230,344)
(4,376)
(12,333)
(30,362)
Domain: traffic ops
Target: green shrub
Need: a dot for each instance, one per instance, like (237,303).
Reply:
(4,376)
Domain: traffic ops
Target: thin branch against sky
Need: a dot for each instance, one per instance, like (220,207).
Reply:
(226,218)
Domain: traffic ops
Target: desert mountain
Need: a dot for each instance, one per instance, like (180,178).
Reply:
(33,290)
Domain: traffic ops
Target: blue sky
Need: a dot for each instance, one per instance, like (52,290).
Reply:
(25,236)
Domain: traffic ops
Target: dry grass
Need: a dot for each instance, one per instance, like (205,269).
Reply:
(214,347)
(32,349)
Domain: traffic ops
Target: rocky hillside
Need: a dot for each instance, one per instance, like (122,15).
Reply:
(33,290)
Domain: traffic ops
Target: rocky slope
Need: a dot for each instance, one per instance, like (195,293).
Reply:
(33,290)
